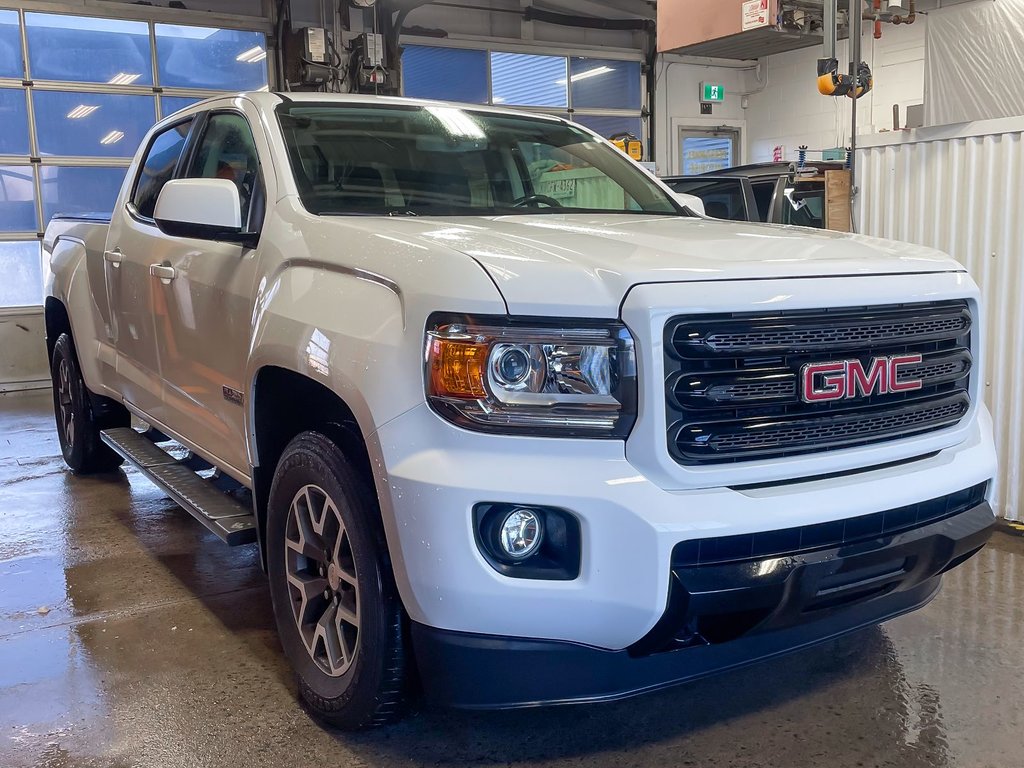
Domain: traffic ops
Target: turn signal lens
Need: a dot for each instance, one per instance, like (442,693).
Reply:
(457,368)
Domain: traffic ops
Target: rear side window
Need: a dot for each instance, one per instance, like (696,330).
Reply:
(158,167)
(723,198)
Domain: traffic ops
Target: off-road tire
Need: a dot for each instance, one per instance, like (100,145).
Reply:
(373,689)
(80,415)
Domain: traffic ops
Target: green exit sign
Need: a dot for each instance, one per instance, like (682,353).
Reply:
(712,92)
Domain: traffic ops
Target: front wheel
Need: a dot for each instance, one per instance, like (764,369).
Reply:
(335,603)
(79,419)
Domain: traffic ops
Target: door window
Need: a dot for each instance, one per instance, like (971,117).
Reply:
(227,151)
(804,205)
(707,151)
(722,198)
(158,167)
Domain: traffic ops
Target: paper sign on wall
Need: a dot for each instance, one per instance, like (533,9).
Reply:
(755,14)
(778,153)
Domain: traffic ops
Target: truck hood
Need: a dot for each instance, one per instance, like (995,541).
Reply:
(586,264)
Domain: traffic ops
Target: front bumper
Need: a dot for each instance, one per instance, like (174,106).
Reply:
(764,608)
(434,473)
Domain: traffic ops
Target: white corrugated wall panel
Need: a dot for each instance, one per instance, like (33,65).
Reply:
(961,190)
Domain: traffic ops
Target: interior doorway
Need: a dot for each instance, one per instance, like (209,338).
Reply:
(702,150)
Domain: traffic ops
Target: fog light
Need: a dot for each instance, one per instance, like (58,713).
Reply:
(520,533)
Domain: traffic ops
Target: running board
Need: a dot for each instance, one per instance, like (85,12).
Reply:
(231,521)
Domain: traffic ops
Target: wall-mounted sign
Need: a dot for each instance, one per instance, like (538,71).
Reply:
(778,153)
(755,14)
(711,93)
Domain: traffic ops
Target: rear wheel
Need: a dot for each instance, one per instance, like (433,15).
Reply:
(335,603)
(79,418)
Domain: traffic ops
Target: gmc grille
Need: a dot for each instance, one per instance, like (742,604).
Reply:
(732,380)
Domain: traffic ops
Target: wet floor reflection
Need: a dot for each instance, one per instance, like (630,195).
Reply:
(157,649)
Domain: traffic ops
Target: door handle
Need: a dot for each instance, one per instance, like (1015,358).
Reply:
(113,258)
(162,271)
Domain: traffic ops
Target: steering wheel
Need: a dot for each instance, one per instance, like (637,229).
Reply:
(522,202)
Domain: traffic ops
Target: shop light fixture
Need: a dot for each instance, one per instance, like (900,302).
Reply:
(112,138)
(123,78)
(589,73)
(82,110)
(251,56)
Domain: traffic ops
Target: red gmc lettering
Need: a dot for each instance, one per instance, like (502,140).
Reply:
(866,382)
(834,376)
(847,379)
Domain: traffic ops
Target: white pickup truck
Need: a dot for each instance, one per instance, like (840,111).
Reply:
(505,418)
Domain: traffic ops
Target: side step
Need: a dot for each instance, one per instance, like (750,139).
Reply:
(231,521)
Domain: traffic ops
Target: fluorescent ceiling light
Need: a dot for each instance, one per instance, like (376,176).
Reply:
(457,122)
(81,111)
(251,56)
(589,73)
(112,138)
(123,78)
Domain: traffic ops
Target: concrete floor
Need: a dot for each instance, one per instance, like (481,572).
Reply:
(129,636)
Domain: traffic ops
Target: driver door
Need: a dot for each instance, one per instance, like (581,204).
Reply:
(203,308)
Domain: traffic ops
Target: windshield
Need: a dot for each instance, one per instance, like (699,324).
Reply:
(352,159)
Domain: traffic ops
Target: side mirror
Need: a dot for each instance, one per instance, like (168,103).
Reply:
(692,202)
(799,199)
(205,209)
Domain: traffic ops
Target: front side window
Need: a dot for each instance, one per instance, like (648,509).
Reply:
(440,160)
(227,151)
(158,167)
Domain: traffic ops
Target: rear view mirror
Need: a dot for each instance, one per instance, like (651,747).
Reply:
(205,209)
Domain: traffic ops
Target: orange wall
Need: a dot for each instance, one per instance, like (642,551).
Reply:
(685,22)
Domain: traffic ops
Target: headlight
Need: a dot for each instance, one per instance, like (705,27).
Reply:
(571,378)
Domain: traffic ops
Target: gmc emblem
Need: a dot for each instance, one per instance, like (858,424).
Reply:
(847,379)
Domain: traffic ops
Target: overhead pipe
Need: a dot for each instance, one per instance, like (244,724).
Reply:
(909,18)
(533,13)
(889,17)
